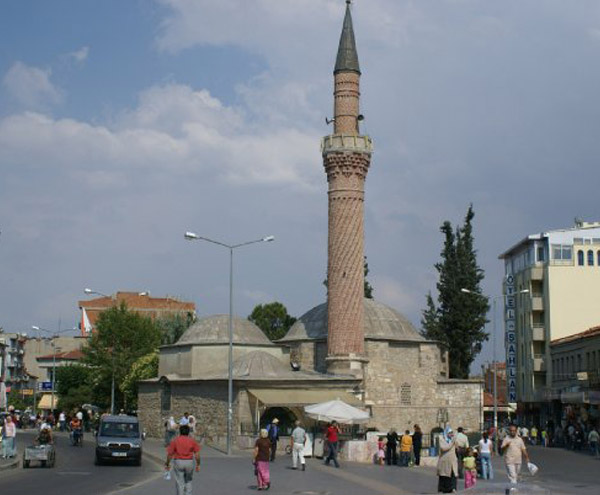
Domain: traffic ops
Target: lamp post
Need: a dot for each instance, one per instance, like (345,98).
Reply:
(89,291)
(191,236)
(495,368)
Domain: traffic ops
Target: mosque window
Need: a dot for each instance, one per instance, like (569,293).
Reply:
(580,257)
(165,398)
(405,394)
(590,257)
(598,256)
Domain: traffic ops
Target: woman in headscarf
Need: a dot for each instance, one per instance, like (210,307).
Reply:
(447,468)
(262,454)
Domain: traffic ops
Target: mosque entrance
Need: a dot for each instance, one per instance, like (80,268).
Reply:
(285,416)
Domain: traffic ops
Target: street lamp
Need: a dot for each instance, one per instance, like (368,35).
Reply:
(495,370)
(89,291)
(191,236)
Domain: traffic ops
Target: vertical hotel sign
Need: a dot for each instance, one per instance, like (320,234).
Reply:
(511,338)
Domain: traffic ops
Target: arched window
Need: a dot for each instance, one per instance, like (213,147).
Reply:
(598,258)
(590,258)
(580,257)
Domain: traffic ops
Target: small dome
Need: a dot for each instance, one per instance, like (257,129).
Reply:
(215,330)
(259,364)
(381,323)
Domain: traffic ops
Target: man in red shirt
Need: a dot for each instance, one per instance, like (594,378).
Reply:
(182,450)
(331,435)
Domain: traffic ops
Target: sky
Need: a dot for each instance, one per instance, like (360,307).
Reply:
(125,124)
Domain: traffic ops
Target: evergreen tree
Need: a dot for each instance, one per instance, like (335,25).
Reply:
(273,319)
(368,288)
(458,321)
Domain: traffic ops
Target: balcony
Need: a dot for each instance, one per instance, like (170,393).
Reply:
(537,303)
(538,333)
(537,273)
(539,362)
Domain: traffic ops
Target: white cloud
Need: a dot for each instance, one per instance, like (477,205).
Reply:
(31,86)
(80,55)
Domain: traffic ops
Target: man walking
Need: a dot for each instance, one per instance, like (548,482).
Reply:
(391,448)
(514,450)
(298,441)
(273,431)
(593,439)
(462,444)
(332,435)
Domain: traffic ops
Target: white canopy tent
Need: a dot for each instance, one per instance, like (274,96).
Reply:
(337,410)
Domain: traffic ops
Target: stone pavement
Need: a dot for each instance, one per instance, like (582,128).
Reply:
(561,472)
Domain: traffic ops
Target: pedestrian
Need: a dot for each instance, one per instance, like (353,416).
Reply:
(170,430)
(381,450)
(514,450)
(192,424)
(298,442)
(185,419)
(391,447)
(332,436)
(417,441)
(406,446)
(470,468)
(62,420)
(447,467)
(462,444)
(9,438)
(534,435)
(273,430)
(183,450)
(262,455)
(579,437)
(486,451)
(593,440)
(544,435)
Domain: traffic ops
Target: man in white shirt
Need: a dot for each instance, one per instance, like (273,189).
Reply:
(298,440)
(514,450)
(62,420)
(185,420)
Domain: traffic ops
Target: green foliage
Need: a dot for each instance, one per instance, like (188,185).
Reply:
(273,319)
(75,386)
(18,401)
(458,321)
(121,338)
(172,327)
(368,288)
(144,368)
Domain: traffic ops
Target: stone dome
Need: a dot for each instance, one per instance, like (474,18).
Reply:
(215,330)
(381,323)
(259,364)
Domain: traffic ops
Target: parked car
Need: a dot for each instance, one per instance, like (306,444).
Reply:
(119,438)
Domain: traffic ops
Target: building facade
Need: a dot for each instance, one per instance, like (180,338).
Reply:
(13,366)
(140,302)
(576,377)
(551,284)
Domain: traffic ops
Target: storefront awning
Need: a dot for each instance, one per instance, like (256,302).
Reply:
(46,402)
(299,397)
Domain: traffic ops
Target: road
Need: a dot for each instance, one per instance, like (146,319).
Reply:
(74,472)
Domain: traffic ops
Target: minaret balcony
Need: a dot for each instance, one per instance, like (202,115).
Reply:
(346,142)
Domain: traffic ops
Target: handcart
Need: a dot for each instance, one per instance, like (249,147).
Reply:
(45,454)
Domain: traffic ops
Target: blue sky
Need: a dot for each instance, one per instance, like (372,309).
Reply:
(124,124)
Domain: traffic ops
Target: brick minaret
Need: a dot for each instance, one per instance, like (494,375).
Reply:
(346,157)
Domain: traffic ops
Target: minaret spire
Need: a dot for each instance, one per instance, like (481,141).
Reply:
(346,158)
(347,57)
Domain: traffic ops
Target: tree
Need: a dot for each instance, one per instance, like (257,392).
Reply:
(76,385)
(144,368)
(459,318)
(368,288)
(121,338)
(172,327)
(273,319)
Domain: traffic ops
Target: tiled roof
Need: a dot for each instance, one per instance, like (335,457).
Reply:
(586,334)
(74,355)
(136,301)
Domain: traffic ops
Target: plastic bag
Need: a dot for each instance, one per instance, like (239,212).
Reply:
(167,475)
(533,469)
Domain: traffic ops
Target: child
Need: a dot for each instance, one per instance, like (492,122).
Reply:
(470,468)
(381,451)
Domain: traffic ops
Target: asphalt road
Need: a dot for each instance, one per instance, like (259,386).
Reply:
(74,472)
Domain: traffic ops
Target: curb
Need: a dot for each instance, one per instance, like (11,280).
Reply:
(11,465)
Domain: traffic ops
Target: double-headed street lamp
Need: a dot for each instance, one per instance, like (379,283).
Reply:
(191,236)
(89,291)
(495,369)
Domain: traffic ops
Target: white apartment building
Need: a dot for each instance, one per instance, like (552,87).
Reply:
(551,288)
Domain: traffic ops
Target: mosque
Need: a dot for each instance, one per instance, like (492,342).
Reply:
(349,348)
